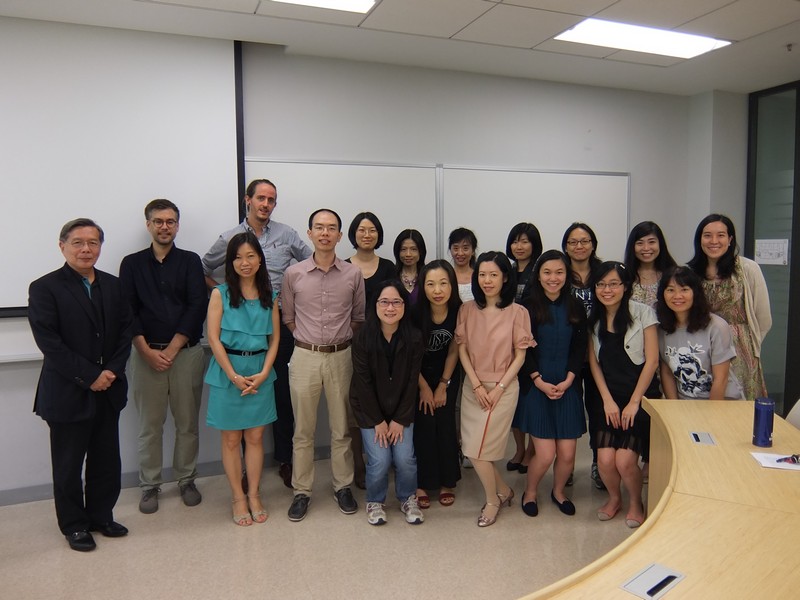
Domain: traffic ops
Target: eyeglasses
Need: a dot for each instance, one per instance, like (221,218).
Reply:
(611,285)
(77,244)
(386,303)
(161,222)
(574,243)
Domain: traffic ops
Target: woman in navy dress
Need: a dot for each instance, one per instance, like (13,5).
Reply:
(552,410)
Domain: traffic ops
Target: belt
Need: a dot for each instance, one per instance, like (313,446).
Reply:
(322,347)
(245,352)
(164,346)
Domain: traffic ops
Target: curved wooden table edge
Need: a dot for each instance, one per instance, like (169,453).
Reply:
(563,585)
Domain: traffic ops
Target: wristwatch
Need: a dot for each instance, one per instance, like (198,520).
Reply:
(446,382)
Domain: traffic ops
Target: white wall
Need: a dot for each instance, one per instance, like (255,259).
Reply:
(682,153)
(323,109)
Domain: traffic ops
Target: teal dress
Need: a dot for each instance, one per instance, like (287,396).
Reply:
(243,328)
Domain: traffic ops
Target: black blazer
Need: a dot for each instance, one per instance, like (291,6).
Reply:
(76,347)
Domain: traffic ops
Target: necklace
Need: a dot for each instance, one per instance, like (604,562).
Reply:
(408,282)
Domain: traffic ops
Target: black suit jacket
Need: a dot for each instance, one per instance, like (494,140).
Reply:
(76,347)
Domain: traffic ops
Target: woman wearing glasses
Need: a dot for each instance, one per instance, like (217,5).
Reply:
(580,245)
(623,356)
(387,354)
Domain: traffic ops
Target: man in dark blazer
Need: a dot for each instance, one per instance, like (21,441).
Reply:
(82,324)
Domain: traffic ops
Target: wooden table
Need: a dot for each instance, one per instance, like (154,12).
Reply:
(715,515)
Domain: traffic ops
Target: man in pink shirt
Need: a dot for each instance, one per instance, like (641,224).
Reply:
(323,304)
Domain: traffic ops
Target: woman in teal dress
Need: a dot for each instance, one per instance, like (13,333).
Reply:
(243,331)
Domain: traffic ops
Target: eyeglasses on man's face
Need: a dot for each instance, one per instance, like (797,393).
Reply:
(161,222)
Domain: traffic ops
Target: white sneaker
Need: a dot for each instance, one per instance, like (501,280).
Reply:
(411,510)
(376,515)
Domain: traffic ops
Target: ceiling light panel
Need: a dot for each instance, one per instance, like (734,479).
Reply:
(356,6)
(640,39)
(307,13)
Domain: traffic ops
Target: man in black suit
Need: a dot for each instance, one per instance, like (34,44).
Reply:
(82,324)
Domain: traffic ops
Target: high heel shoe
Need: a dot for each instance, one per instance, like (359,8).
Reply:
(259,516)
(505,500)
(242,520)
(483,520)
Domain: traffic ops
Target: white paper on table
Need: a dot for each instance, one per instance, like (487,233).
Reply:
(771,461)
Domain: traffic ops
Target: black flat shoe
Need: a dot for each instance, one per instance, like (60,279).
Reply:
(82,541)
(110,529)
(566,507)
(513,466)
(530,508)
(523,468)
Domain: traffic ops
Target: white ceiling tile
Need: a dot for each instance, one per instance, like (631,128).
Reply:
(239,6)
(308,13)
(666,14)
(517,27)
(438,18)
(746,18)
(573,7)
(563,47)
(644,58)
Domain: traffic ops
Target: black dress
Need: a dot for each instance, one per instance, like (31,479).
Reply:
(621,376)
(435,438)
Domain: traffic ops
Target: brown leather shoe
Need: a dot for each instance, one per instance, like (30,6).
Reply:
(285,473)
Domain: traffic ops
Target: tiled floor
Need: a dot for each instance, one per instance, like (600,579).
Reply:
(198,553)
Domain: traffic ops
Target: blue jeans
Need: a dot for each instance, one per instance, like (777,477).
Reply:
(380,460)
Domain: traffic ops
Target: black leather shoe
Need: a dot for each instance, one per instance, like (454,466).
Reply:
(110,529)
(530,508)
(285,473)
(344,498)
(299,507)
(522,469)
(82,541)
(513,466)
(566,507)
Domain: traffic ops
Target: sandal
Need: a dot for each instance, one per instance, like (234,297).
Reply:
(259,516)
(483,520)
(506,499)
(447,498)
(242,520)
(423,501)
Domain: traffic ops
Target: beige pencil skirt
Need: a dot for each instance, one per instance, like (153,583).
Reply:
(484,434)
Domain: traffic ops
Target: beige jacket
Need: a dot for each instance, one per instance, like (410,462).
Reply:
(756,300)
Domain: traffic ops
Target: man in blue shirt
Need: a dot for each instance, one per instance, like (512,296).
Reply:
(166,289)
(282,247)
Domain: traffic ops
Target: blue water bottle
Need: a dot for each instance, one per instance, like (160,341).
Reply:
(762,422)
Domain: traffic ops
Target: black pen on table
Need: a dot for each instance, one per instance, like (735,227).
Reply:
(794,459)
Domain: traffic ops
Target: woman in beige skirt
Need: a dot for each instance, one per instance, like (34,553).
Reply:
(493,333)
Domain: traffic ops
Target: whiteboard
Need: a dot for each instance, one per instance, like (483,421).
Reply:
(401,196)
(492,201)
(124,117)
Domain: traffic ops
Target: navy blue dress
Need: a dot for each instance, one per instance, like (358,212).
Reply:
(559,343)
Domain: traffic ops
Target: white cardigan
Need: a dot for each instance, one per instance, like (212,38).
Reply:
(756,300)
(643,317)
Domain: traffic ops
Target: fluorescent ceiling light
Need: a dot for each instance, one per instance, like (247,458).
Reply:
(640,39)
(358,6)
